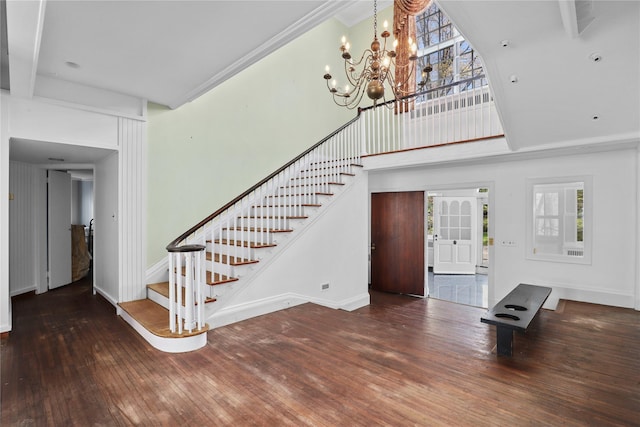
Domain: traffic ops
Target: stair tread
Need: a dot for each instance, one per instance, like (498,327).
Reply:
(311,205)
(324,162)
(162,288)
(244,243)
(297,195)
(259,229)
(155,318)
(312,185)
(320,176)
(219,279)
(276,217)
(328,165)
(231,260)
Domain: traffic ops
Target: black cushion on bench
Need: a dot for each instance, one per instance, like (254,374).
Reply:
(515,312)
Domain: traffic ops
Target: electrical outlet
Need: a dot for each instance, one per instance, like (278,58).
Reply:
(508,243)
(324,286)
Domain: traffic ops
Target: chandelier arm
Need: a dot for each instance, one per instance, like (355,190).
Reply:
(392,84)
(353,79)
(350,102)
(367,53)
(348,96)
(359,97)
(356,79)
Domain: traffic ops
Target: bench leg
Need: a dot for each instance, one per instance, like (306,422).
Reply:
(505,341)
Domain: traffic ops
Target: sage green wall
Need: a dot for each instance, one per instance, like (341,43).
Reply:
(205,153)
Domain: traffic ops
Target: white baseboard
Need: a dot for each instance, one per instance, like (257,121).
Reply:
(23,290)
(356,302)
(159,272)
(588,295)
(248,310)
(106,296)
(5,328)
(348,304)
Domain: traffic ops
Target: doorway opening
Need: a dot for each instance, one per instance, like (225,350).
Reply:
(34,259)
(457,225)
(69,219)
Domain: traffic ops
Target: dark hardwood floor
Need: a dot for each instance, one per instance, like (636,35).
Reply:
(400,361)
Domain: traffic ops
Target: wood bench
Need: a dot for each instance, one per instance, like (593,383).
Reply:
(515,312)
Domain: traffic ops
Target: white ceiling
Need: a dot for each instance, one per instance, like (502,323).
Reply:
(54,154)
(167,51)
(170,52)
(559,88)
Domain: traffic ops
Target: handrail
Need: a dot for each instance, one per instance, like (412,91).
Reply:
(424,92)
(171,247)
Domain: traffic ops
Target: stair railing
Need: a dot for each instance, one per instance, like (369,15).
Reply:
(250,220)
(455,112)
(460,111)
(185,288)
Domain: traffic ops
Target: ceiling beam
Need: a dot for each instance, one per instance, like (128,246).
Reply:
(25,21)
(569,17)
(576,16)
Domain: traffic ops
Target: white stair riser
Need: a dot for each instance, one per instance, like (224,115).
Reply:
(218,291)
(164,302)
(260,237)
(276,223)
(309,185)
(296,199)
(323,164)
(242,252)
(239,251)
(286,210)
(236,271)
(331,174)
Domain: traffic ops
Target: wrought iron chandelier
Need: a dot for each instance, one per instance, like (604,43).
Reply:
(378,69)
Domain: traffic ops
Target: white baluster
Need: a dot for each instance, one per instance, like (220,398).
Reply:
(179,278)
(199,274)
(188,292)
(172,292)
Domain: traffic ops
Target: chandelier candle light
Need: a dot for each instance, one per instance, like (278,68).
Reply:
(378,67)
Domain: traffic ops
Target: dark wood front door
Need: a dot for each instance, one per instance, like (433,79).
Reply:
(397,242)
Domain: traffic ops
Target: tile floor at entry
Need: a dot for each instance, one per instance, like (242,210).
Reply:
(469,289)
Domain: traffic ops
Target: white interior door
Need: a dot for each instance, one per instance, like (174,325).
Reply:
(455,239)
(59,228)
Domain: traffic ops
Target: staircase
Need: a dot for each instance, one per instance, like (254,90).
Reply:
(235,240)
(212,264)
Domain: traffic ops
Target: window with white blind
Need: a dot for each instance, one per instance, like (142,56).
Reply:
(559,212)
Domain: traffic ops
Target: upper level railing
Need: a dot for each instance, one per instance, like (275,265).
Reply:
(460,111)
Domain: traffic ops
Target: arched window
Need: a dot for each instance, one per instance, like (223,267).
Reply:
(450,56)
